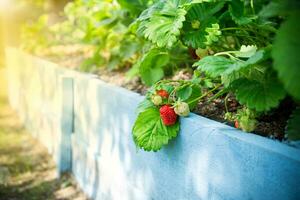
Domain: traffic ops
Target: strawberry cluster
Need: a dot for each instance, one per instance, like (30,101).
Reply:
(168,113)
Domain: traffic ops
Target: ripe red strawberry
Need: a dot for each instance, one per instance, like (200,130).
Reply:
(162,93)
(236,124)
(168,115)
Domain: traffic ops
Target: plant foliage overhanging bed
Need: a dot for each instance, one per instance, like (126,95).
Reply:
(246,50)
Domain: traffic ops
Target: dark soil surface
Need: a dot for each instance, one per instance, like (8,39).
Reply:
(269,125)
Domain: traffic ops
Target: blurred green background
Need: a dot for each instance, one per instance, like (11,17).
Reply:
(13,13)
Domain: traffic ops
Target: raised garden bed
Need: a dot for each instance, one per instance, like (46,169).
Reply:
(271,125)
(208,160)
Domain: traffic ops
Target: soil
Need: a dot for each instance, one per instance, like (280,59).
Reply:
(270,125)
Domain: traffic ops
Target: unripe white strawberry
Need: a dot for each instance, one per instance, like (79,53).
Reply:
(156,100)
(247,125)
(182,109)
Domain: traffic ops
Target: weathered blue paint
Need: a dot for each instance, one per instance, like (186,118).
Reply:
(208,160)
(66,126)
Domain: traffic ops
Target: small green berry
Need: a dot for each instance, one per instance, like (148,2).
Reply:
(156,100)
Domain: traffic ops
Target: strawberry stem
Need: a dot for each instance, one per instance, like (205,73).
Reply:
(226,101)
(204,95)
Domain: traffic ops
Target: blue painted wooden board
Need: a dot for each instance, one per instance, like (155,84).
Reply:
(208,160)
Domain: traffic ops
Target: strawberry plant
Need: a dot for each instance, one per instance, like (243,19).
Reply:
(247,72)
(251,80)
(243,49)
(244,119)
(158,115)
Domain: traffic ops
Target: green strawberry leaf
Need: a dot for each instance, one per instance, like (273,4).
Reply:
(278,8)
(286,54)
(199,17)
(151,66)
(227,79)
(149,132)
(167,87)
(184,93)
(237,12)
(215,66)
(261,96)
(270,10)
(293,126)
(196,92)
(259,56)
(161,24)
(134,7)
(246,51)
(144,105)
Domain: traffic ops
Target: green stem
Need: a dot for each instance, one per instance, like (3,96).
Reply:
(252,38)
(228,54)
(218,94)
(252,7)
(237,28)
(176,89)
(168,81)
(225,101)
(257,36)
(204,95)
(225,52)
(230,29)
